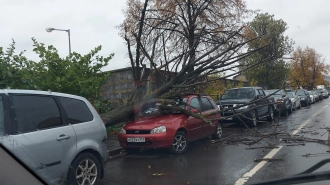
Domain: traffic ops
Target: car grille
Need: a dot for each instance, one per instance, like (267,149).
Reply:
(137,131)
(138,144)
(227,106)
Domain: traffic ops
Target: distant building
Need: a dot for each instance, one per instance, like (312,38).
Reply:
(240,77)
(327,78)
(120,84)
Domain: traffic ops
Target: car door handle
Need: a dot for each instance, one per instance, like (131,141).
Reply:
(62,137)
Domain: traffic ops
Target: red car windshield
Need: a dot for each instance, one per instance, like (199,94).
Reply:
(153,109)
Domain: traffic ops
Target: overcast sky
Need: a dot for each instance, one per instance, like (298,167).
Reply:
(92,23)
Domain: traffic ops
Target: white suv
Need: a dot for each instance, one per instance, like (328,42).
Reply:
(59,136)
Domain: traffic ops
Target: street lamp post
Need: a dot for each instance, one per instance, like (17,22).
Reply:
(68,31)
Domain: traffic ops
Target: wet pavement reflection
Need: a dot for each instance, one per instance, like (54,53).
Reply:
(226,161)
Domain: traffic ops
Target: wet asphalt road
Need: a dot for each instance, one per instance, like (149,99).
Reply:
(228,161)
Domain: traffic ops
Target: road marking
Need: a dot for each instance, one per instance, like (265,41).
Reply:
(246,176)
(301,126)
(249,174)
(325,106)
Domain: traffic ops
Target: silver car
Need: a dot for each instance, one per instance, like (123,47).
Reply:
(59,136)
(295,100)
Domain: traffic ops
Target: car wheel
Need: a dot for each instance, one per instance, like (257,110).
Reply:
(270,117)
(294,106)
(85,169)
(254,118)
(218,134)
(285,113)
(180,143)
(290,109)
(132,150)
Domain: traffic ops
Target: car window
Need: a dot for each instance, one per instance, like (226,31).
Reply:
(290,95)
(194,104)
(261,92)
(2,115)
(76,110)
(243,93)
(300,93)
(206,104)
(35,113)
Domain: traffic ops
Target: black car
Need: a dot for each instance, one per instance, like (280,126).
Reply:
(318,91)
(303,94)
(283,101)
(250,102)
(325,93)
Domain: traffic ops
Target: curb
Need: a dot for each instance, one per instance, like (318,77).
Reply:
(115,151)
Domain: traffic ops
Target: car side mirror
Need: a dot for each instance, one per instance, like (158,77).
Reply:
(283,95)
(194,111)
(259,96)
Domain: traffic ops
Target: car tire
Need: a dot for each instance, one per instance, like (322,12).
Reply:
(132,150)
(180,143)
(270,116)
(218,133)
(87,166)
(290,109)
(285,113)
(254,118)
(294,107)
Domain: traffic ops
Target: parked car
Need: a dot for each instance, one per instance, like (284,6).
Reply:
(315,95)
(151,129)
(284,105)
(319,93)
(295,100)
(311,95)
(250,102)
(303,94)
(59,136)
(325,93)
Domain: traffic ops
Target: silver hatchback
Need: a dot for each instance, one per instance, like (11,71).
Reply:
(61,137)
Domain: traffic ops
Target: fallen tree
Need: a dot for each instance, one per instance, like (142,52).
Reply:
(181,43)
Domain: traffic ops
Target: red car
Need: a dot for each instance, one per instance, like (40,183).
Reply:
(174,130)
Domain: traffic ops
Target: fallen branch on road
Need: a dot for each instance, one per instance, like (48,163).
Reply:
(268,159)
(262,147)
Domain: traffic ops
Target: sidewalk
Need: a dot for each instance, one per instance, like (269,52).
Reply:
(113,145)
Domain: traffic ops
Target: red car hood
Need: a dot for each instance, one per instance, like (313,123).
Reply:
(150,122)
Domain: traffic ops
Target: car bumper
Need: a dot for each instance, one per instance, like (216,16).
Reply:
(245,116)
(159,140)
(303,101)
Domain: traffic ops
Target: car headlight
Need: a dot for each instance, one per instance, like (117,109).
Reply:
(280,100)
(159,129)
(302,98)
(122,131)
(244,107)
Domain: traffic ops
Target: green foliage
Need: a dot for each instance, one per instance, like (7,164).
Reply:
(102,106)
(76,74)
(15,70)
(270,35)
(114,129)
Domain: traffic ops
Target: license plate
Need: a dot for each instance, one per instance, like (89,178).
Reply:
(136,140)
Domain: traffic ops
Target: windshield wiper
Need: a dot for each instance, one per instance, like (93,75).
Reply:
(304,177)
